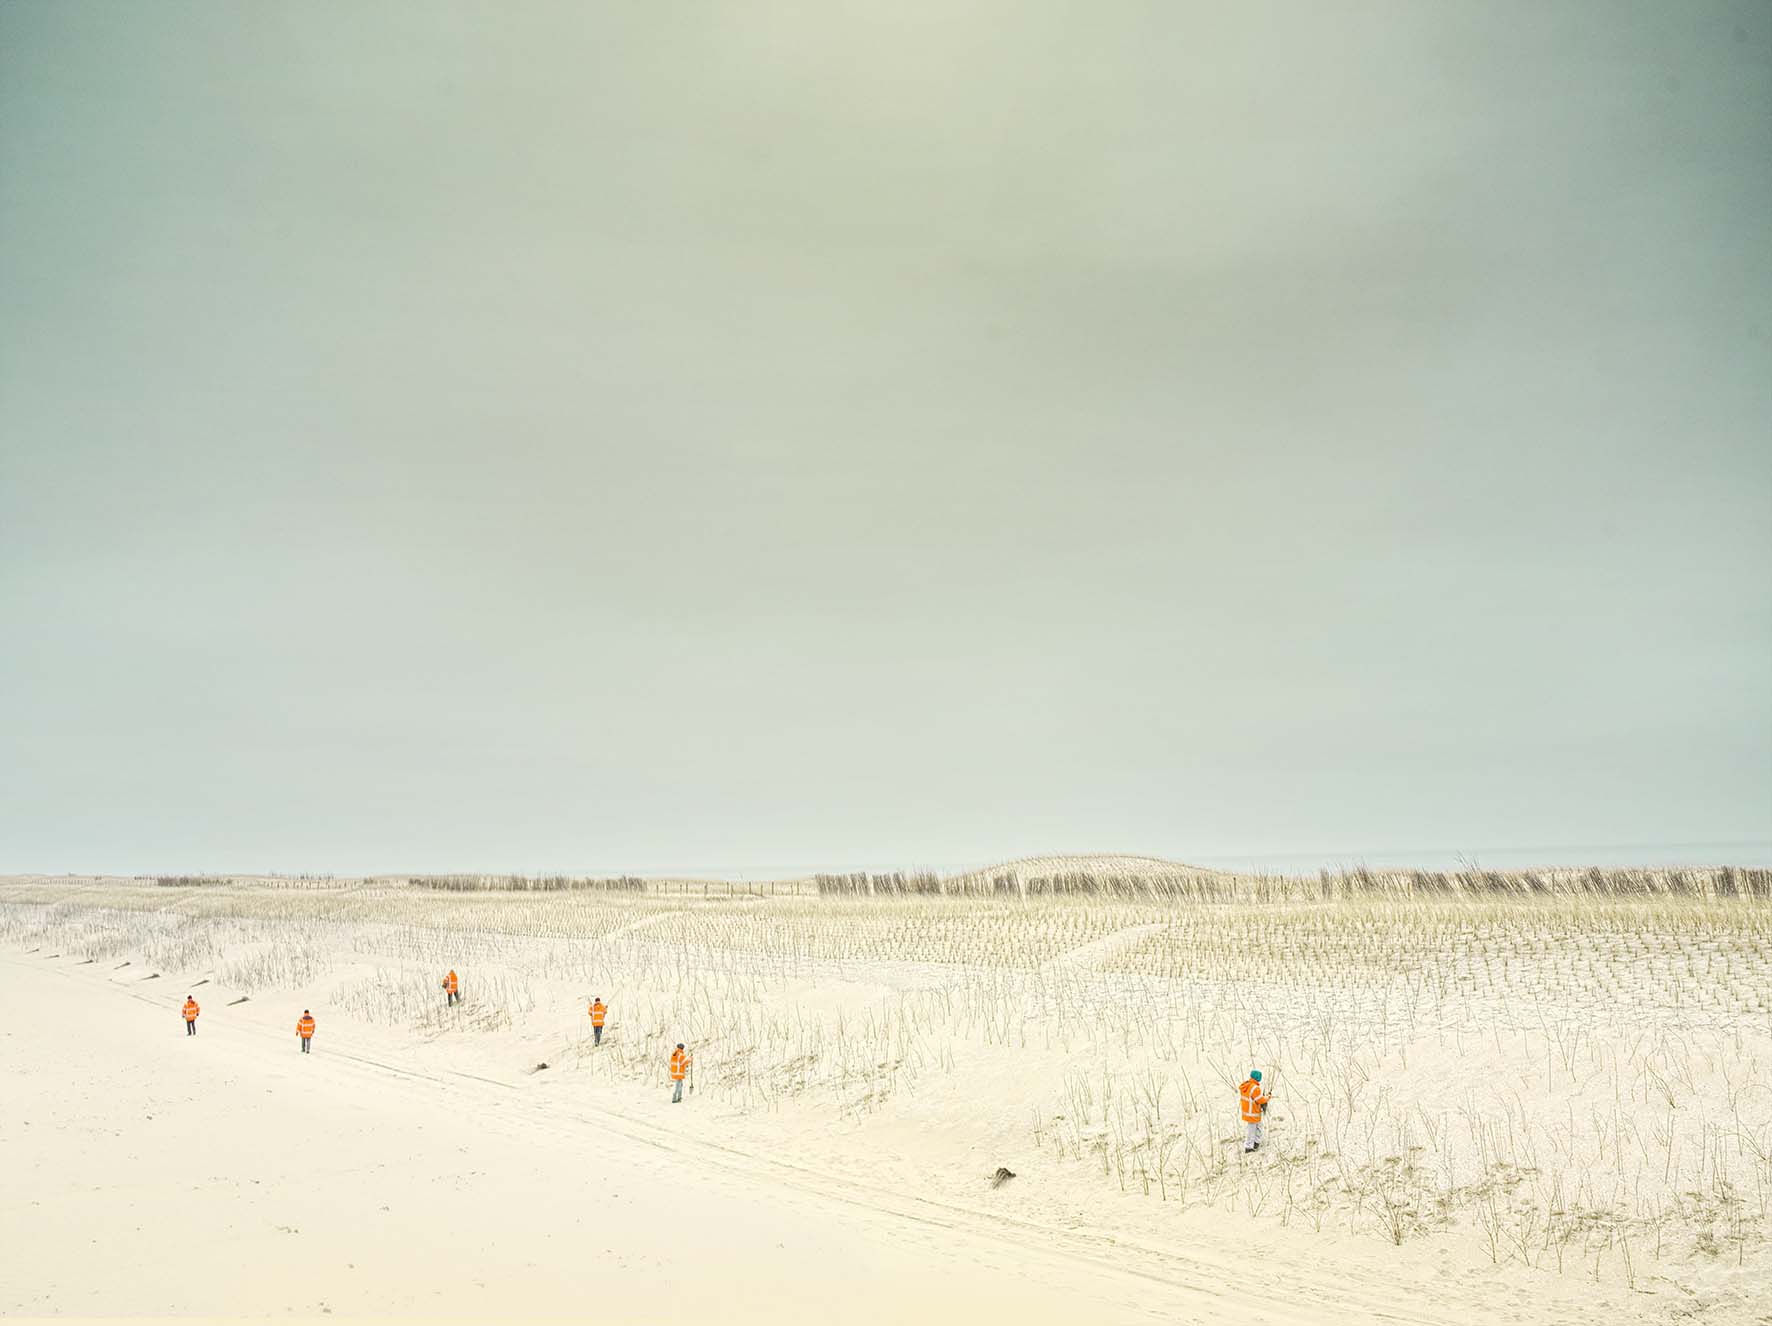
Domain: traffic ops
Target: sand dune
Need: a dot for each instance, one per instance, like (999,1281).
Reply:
(1534,1111)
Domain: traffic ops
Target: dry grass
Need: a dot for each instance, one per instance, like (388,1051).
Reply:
(1573,1070)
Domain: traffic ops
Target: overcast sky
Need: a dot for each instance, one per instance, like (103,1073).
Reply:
(521,436)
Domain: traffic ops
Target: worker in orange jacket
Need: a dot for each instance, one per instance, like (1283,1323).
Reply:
(599,1011)
(1252,1103)
(191,1011)
(680,1062)
(304,1027)
(453,986)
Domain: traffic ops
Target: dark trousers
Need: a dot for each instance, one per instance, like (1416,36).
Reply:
(305,1042)
(191,1026)
(596,1035)
(453,996)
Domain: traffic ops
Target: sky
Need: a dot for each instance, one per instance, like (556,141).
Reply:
(729,437)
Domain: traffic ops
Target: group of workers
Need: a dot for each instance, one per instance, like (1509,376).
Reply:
(304,1025)
(681,1063)
(681,1066)
(1252,1097)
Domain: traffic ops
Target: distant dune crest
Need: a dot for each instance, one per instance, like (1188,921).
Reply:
(1100,874)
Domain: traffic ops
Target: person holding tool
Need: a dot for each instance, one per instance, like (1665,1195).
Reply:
(1252,1101)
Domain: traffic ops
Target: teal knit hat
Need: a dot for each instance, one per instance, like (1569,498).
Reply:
(1255,1075)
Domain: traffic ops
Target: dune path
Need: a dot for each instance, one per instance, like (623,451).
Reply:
(229,1174)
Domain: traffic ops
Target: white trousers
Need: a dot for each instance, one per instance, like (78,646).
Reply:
(1251,1136)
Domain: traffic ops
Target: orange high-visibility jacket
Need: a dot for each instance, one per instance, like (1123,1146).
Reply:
(191,1010)
(1251,1098)
(304,1026)
(599,1011)
(679,1065)
(449,983)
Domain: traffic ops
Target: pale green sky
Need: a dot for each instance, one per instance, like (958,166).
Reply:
(525,436)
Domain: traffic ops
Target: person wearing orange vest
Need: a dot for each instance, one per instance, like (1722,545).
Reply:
(453,986)
(191,1011)
(680,1062)
(599,1011)
(304,1027)
(1252,1102)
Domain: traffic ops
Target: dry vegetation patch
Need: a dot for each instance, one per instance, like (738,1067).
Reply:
(1570,1073)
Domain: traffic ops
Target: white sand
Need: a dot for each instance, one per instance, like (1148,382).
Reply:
(411,1167)
(151,1173)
